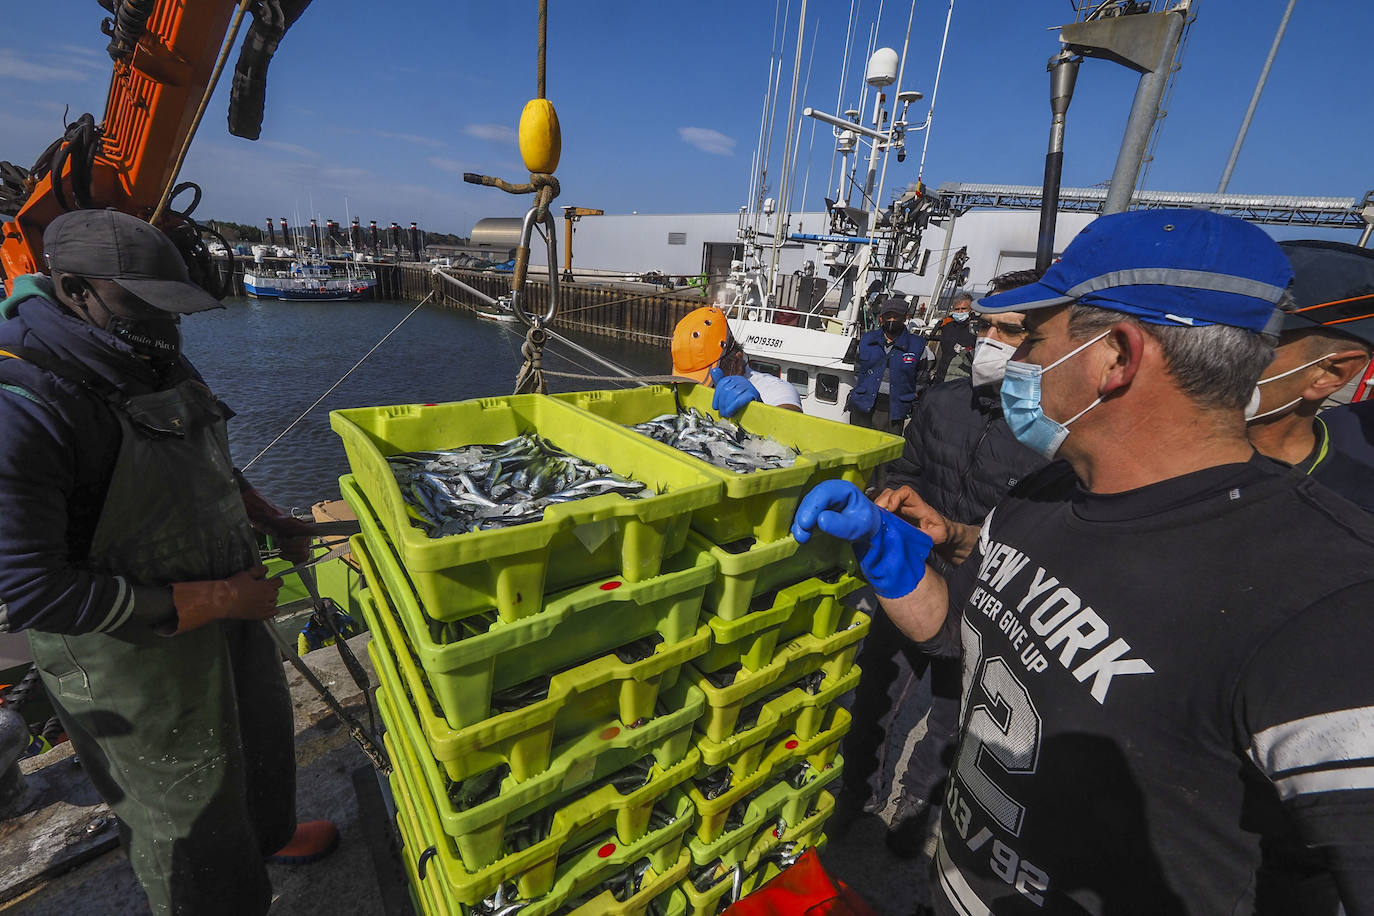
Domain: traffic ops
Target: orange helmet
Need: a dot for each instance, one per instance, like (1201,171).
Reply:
(699,341)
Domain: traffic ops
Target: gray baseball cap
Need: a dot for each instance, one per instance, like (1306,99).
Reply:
(108,244)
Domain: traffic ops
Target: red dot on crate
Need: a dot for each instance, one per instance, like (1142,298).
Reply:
(609,732)
(430,404)
(792,745)
(606,850)
(610,586)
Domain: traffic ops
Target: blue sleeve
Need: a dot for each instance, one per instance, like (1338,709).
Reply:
(41,586)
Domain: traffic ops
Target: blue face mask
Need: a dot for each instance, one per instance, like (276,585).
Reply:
(1021,404)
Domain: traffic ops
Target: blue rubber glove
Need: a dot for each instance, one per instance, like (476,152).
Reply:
(891,553)
(733,392)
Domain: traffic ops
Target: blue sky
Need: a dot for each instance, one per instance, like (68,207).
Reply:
(387,104)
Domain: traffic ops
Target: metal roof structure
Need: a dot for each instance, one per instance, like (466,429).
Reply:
(1330,212)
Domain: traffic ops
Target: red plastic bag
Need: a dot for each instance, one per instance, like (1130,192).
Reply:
(802,890)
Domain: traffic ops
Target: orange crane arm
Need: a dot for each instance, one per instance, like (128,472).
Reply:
(155,90)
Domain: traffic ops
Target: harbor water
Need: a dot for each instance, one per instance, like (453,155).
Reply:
(270,360)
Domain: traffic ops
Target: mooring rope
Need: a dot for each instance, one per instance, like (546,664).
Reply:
(321,398)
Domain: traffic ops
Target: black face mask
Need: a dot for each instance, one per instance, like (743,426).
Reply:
(156,338)
(893,327)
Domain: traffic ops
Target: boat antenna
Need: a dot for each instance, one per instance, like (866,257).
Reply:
(839,96)
(785,187)
(934,91)
(774,89)
(887,151)
(1254,99)
(806,88)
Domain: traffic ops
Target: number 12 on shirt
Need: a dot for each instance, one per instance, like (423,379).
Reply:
(1001,736)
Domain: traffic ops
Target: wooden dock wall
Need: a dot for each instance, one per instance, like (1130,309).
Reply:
(627,314)
(639,315)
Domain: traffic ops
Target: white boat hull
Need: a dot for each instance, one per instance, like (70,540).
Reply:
(819,355)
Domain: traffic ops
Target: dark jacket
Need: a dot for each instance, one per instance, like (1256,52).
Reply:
(960,455)
(1348,465)
(57,452)
(956,340)
(906,367)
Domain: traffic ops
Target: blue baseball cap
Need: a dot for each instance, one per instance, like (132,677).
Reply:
(1172,267)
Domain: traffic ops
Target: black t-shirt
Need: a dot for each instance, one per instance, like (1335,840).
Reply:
(1168,697)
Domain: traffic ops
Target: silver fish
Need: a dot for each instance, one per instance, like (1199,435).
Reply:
(717,442)
(483,487)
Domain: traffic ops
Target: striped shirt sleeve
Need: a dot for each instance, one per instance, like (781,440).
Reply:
(1306,709)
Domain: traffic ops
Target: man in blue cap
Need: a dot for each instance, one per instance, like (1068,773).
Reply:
(1158,715)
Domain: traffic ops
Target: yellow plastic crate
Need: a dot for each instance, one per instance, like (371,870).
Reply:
(579,699)
(810,606)
(570,629)
(480,830)
(799,658)
(743,753)
(759,504)
(604,813)
(741,800)
(657,896)
(749,570)
(510,568)
(749,845)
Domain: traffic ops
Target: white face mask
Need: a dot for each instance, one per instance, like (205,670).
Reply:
(1251,409)
(990,361)
(960,316)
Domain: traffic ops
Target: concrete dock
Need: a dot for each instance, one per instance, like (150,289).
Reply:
(61,857)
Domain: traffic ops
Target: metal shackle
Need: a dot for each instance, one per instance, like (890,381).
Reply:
(517,288)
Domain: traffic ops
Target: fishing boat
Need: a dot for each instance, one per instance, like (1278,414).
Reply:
(809,335)
(499,311)
(311,278)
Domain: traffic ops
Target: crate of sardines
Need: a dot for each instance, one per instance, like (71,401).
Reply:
(471,664)
(490,502)
(558,855)
(765,459)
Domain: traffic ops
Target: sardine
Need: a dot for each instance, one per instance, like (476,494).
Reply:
(485,487)
(717,442)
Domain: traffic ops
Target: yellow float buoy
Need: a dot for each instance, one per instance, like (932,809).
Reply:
(541,141)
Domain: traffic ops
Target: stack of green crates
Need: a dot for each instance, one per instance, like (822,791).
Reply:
(532,679)
(783,645)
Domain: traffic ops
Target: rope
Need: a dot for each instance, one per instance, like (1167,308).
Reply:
(543,43)
(530,379)
(338,383)
(204,103)
(643,379)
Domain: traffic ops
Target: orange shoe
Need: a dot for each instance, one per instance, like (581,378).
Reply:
(312,841)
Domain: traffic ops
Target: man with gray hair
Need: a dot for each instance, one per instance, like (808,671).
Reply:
(956,339)
(1159,715)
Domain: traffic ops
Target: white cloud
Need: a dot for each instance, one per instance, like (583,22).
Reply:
(495,133)
(452,166)
(14,66)
(252,182)
(294,148)
(708,140)
(416,139)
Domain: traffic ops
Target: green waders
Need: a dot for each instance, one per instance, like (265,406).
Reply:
(188,738)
